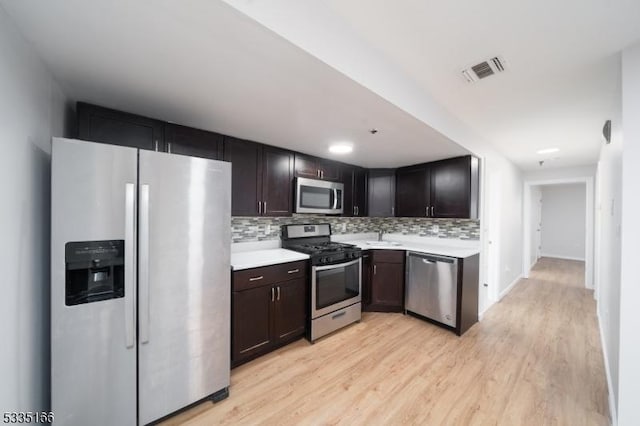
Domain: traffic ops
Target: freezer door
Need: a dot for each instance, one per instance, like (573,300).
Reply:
(432,287)
(184,281)
(93,351)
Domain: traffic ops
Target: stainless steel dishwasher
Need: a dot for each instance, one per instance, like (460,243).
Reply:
(432,286)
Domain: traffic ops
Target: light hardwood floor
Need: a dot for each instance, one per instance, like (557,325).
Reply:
(535,359)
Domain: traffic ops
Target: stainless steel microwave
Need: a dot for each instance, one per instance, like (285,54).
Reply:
(319,196)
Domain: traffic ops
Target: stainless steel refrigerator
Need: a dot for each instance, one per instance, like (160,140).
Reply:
(140,299)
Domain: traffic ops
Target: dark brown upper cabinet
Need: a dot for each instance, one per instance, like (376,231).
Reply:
(441,189)
(413,196)
(262,178)
(195,142)
(99,124)
(246,176)
(381,190)
(454,188)
(355,191)
(277,182)
(316,168)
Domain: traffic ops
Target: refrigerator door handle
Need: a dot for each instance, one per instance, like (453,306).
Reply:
(143,264)
(129,264)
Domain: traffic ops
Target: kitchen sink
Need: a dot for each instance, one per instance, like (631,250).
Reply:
(382,243)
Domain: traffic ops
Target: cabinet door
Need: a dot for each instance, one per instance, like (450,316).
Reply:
(194,142)
(105,125)
(381,193)
(360,192)
(451,187)
(387,289)
(289,318)
(277,182)
(366,280)
(329,170)
(306,166)
(251,325)
(348,201)
(246,175)
(412,190)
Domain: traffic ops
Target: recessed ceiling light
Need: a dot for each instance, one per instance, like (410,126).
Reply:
(341,148)
(548,150)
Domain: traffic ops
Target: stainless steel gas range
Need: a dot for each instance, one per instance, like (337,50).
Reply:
(336,277)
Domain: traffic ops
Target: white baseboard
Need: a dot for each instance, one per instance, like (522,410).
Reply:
(506,291)
(557,256)
(612,402)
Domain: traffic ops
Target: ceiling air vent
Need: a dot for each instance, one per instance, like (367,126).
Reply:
(484,69)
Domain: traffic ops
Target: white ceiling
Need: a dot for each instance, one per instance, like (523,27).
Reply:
(202,63)
(563,76)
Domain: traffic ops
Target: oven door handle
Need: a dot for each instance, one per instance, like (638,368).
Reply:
(337,265)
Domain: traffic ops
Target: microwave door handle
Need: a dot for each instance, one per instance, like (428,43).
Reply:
(335,198)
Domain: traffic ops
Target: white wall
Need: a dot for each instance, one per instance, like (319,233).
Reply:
(563,221)
(561,173)
(629,383)
(534,224)
(511,226)
(608,214)
(32,108)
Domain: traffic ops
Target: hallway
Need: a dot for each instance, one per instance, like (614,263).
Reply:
(534,359)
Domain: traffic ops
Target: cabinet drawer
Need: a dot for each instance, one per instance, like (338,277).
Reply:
(267,275)
(388,256)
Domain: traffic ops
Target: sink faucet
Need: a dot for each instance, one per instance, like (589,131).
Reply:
(379,235)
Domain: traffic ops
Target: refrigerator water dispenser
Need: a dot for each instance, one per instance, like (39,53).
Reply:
(94,271)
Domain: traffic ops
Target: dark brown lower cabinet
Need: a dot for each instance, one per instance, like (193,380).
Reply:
(366,279)
(289,314)
(387,281)
(251,322)
(268,309)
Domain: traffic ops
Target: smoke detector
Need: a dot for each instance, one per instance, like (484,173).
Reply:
(484,69)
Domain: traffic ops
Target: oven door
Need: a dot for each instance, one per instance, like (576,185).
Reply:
(317,196)
(335,286)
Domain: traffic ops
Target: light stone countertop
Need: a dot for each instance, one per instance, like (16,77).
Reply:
(432,245)
(265,253)
(256,258)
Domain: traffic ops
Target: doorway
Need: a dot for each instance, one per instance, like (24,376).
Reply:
(558,222)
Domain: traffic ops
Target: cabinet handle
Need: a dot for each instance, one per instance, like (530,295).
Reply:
(169,147)
(322,174)
(155,145)
(432,211)
(259,207)
(256,278)
(357,210)
(293,271)
(365,256)
(264,207)
(375,269)
(317,173)
(338,315)
(426,211)
(393,211)
(273,298)
(278,293)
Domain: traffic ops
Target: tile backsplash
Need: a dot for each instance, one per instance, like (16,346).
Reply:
(268,228)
